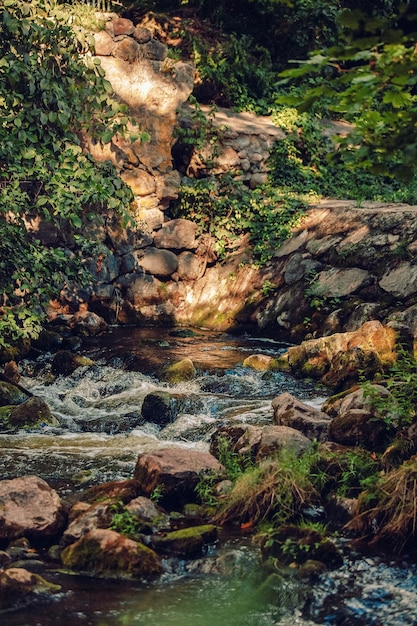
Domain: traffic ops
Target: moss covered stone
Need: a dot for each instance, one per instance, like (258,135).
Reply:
(31,414)
(108,554)
(187,541)
(179,371)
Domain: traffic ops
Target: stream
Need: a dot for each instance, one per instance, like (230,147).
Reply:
(99,435)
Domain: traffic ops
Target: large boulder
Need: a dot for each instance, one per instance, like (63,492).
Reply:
(358,427)
(161,263)
(30,508)
(336,360)
(108,554)
(175,472)
(288,411)
(33,413)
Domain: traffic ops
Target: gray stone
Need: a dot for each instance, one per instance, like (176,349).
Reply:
(401,282)
(337,283)
(188,266)
(162,263)
(288,411)
(178,234)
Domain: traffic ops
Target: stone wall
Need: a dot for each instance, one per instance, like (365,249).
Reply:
(343,266)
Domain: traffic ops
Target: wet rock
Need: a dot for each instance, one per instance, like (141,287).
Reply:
(11,372)
(108,554)
(187,542)
(65,362)
(159,408)
(175,472)
(48,341)
(288,411)
(276,438)
(19,588)
(10,394)
(178,372)
(340,510)
(260,362)
(29,507)
(31,414)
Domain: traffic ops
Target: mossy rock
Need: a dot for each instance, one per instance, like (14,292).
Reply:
(293,544)
(108,554)
(31,414)
(11,394)
(65,362)
(4,416)
(19,587)
(180,371)
(282,364)
(261,362)
(186,542)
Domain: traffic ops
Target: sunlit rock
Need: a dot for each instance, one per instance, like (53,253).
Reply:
(179,371)
(336,360)
(260,362)
(175,472)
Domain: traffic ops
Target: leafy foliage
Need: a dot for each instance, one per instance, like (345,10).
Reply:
(399,408)
(370,78)
(51,91)
(227,210)
(307,159)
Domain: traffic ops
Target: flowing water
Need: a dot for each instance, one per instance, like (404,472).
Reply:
(99,435)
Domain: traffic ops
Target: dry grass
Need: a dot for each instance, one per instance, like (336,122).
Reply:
(389,513)
(275,489)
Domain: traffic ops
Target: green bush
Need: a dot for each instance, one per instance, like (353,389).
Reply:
(51,91)
(227,210)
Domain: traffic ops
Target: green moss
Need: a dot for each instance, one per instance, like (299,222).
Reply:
(187,541)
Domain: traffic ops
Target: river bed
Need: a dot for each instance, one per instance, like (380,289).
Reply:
(99,435)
